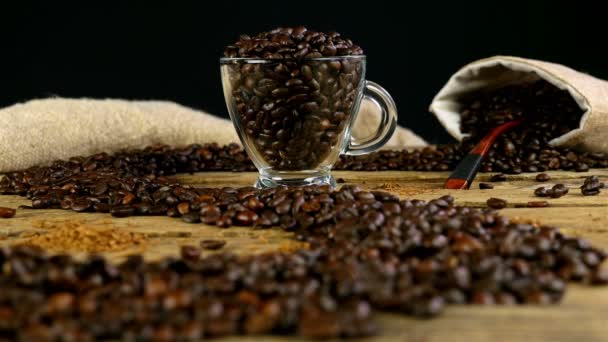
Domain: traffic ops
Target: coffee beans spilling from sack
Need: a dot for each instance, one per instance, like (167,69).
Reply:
(547,113)
(294,108)
(368,251)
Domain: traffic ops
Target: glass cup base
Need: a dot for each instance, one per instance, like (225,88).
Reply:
(294,178)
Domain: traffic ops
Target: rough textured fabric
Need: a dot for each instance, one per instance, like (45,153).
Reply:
(40,131)
(590,93)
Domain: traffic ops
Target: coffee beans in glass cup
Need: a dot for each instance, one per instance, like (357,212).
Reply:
(293,99)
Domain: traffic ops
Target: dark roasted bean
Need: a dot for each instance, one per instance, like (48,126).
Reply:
(558,190)
(122,211)
(498,178)
(537,204)
(212,244)
(485,186)
(246,217)
(591,186)
(496,203)
(542,177)
(191,253)
(191,217)
(7,212)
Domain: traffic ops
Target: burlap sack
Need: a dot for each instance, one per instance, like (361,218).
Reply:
(590,93)
(40,131)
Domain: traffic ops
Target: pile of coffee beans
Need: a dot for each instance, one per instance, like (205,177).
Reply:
(292,43)
(368,251)
(293,109)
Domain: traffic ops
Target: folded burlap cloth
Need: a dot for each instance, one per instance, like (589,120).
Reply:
(590,93)
(40,131)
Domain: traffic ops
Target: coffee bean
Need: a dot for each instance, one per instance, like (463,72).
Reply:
(191,217)
(122,211)
(183,208)
(542,192)
(496,203)
(223,222)
(81,205)
(542,177)
(246,217)
(558,190)
(537,204)
(498,178)
(485,186)
(191,253)
(7,212)
(591,186)
(212,244)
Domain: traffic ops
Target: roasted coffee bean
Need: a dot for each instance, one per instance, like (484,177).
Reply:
(246,217)
(7,212)
(81,205)
(591,186)
(496,203)
(191,217)
(498,178)
(122,211)
(101,207)
(183,208)
(558,190)
(212,244)
(537,204)
(223,221)
(485,186)
(191,253)
(542,192)
(542,177)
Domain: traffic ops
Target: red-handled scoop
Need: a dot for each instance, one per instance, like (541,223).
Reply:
(464,173)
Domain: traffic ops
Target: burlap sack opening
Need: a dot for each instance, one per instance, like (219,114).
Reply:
(590,93)
(40,131)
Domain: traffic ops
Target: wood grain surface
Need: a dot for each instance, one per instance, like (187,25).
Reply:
(582,316)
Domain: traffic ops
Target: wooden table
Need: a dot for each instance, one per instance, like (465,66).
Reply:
(582,316)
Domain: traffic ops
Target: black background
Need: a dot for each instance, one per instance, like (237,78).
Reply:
(143,50)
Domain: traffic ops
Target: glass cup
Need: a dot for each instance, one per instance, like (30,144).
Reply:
(294,117)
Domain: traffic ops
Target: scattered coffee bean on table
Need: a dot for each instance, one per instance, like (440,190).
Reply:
(369,251)
(486,186)
(212,244)
(542,177)
(498,178)
(496,203)
(537,204)
(591,186)
(7,212)
(558,190)
(191,253)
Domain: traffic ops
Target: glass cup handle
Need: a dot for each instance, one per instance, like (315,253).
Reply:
(375,93)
